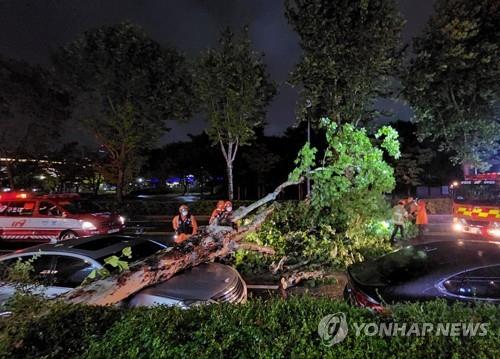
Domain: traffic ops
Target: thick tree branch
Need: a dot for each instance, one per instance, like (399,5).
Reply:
(244,211)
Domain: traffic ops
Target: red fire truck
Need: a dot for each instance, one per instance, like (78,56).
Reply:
(26,216)
(476,205)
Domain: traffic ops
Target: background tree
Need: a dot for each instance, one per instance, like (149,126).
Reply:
(33,108)
(409,170)
(195,157)
(350,51)
(233,89)
(453,82)
(126,87)
(74,167)
(258,163)
(421,163)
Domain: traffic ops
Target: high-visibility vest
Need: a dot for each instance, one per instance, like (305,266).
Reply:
(399,214)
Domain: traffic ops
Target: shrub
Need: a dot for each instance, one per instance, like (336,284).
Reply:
(270,329)
(52,329)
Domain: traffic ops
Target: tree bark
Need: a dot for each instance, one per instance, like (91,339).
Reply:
(97,184)
(119,184)
(230,189)
(230,155)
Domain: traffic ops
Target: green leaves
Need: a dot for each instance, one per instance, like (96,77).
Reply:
(121,63)
(233,89)
(453,83)
(114,263)
(344,220)
(350,51)
(390,142)
(305,161)
(352,170)
(125,87)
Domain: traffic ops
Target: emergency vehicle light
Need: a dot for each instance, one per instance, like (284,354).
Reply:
(14,195)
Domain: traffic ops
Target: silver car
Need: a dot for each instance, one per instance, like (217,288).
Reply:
(62,266)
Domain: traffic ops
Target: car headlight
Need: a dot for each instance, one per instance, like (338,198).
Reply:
(88,226)
(121,219)
(494,232)
(458,224)
(494,229)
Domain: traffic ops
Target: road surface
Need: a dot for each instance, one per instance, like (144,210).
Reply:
(159,228)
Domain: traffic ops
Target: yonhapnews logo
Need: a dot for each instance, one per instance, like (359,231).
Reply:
(333,329)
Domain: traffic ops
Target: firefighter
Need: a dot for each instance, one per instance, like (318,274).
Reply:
(421,218)
(226,218)
(411,207)
(184,224)
(399,215)
(217,213)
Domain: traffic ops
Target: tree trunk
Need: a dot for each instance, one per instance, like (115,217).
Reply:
(230,189)
(95,185)
(119,184)
(202,182)
(8,166)
(229,154)
(466,168)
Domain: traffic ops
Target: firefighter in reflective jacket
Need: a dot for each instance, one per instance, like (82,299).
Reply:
(399,216)
(184,224)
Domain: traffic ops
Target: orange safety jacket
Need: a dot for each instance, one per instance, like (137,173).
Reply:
(421,214)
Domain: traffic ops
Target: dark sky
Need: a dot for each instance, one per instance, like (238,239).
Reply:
(30,29)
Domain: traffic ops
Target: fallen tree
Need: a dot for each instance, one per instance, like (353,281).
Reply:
(212,242)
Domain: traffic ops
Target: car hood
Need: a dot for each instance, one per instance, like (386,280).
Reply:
(202,282)
(367,273)
(102,217)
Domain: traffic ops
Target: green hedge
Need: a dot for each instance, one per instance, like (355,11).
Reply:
(271,329)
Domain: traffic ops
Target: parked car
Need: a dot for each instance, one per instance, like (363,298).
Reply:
(467,271)
(30,217)
(63,266)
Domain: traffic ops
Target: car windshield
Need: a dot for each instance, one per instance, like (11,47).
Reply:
(140,251)
(408,263)
(81,206)
(484,193)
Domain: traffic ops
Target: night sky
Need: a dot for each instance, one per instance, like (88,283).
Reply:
(29,30)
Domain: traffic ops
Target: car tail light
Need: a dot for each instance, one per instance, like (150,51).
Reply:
(365,301)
